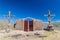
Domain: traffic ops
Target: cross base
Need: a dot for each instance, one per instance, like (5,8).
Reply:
(49,28)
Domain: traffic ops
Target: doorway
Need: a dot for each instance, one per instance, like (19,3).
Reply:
(28,25)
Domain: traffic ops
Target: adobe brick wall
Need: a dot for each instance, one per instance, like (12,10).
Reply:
(19,24)
(37,25)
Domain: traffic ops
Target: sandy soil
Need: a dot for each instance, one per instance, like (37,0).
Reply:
(35,35)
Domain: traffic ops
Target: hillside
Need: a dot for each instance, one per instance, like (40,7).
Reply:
(56,25)
(21,35)
(4,24)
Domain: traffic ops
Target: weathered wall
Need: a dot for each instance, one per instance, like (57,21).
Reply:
(19,24)
(37,25)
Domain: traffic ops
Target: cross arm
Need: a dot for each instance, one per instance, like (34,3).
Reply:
(46,15)
(12,15)
(5,15)
(53,15)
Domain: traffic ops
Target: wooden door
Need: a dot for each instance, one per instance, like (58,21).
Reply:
(25,25)
(31,25)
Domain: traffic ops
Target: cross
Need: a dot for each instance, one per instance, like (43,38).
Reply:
(49,16)
(9,16)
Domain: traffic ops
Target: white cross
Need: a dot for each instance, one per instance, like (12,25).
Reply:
(9,15)
(49,16)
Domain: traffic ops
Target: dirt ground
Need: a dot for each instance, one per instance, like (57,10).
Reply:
(35,35)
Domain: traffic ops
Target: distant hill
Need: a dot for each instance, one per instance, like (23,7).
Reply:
(56,25)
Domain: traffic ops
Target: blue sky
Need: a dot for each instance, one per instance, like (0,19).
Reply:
(30,8)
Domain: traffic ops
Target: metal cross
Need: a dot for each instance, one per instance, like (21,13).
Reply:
(49,16)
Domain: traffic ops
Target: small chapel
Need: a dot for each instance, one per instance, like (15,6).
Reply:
(28,24)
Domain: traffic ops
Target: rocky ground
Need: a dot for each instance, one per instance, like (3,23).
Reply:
(35,35)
